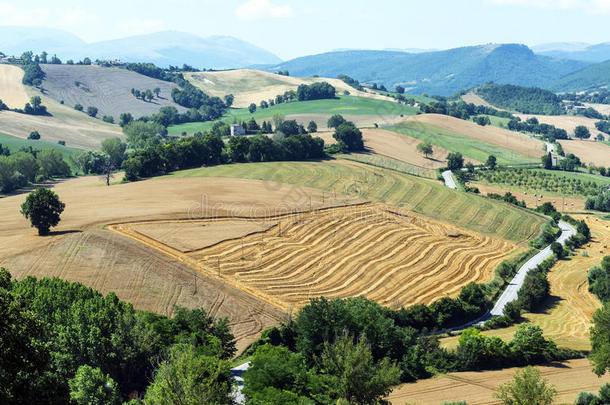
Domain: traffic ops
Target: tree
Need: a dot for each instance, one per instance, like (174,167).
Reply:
(157,91)
(312,127)
(335,121)
(141,134)
(600,340)
(400,89)
(125,119)
(527,388)
(252,108)
(43,208)
(148,94)
(115,149)
(425,148)
(350,135)
(186,377)
(491,162)
(229,98)
(557,249)
(455,161)
(352,375)
(34,135)
(87,61)
(547,161)
(92,111)
(78,107)
(92,387)
(582,132)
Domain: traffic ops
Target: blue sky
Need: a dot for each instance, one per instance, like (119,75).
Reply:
(292,28)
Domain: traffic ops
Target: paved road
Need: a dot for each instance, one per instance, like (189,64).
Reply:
(449,181)
(236,374)
(510,294)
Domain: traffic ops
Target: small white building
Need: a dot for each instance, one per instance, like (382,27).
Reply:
(237,130)
(555,160)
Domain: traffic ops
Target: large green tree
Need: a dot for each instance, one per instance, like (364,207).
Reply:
(349,135)
(43,208)
(92,387)
(600,340)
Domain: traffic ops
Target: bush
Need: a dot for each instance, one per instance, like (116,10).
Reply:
(92,111)
(108,118)
(78,107)
(34,135)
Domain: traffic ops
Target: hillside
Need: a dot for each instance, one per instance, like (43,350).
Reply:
(108,89)
(527,100)
(253,86)
(589,78)
(576,51)
(12,92)
(443,72)
(161,48)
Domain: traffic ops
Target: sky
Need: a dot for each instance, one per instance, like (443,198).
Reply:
(292,28)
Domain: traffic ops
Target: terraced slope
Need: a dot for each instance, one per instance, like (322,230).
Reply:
(392,256)
(422,196)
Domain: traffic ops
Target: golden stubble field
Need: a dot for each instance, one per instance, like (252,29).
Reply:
(12,91)
(395,257)
(477,388)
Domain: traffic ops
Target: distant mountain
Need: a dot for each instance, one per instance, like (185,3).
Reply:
(590,78)
(161,48)
(576,51)
(442,72)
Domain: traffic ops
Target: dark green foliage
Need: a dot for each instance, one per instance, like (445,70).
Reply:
(591,78)
(582,132)
(462,110)
(350,136)
(312,127)
(34,135)
(35,107)
(455,161)
(599,280)
(600,96)
(535,289)
(315,91)
(335,121)
(599,203)
(78,107)
(108,118)
(600,340)
(588,398)
(33,75)
(43,208)
(350,81)
(507,197)
(92,111)
(210,108)
(590,113)
(252,108)
(76,326)
(557,250)
(548,132)
(527,100)
(603,126)
(491,162)
(150,70)
(482,120)
(91,387)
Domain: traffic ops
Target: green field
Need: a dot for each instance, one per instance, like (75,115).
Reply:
(423,196)
(552,182)
(418,98)
(385,162)
(469,147)
(14,144)
(348,105)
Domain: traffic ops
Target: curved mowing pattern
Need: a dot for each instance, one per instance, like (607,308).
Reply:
(475,213)
(392,256)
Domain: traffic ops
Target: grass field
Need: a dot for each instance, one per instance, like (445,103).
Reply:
(372,110)
(14,144)
(394,257)
(253,86)
(385,162)
(474,149)
(477,387)
(392,188)
(566,316)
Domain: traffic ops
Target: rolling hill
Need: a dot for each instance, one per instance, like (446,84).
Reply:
(108,89)
(253,86)
(576,51)
(161,48)
(443,72)
(589,78)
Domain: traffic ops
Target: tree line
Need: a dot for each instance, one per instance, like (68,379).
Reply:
(29,165)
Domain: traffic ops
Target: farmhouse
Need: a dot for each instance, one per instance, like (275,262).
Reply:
(237,130)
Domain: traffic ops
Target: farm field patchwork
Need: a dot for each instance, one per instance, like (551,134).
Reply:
(394,257)
(560,203)
(567,122)
(358,109)
(589,152)
(566,316)
(477,388)
(473,141)
(391,188)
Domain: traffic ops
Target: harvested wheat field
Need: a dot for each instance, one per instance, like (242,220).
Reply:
(602,108)
(566,316)
(12,91)
(394,257)
(253,86)
(65,124)
(588,151)
(501,137)
(477,388)
(477,100)
(567,122)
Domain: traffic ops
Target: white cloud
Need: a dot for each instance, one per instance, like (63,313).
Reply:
(261,9)
(587,6)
